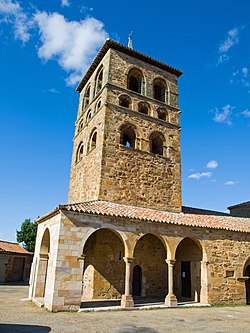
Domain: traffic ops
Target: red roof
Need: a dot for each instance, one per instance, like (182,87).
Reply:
(12,247)
(198,218)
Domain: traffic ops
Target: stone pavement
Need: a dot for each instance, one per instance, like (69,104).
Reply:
(25,317)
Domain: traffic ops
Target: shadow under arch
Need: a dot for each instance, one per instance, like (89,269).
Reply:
(187,274)
(42,268)
(104,267)
(246,274)
(150,253)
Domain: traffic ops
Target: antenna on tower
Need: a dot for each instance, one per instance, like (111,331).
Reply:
(130,45)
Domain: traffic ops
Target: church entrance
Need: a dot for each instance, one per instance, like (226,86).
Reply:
(187,273)
(247,274)
(137,280)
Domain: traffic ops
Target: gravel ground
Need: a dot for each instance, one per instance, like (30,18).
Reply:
(24,317)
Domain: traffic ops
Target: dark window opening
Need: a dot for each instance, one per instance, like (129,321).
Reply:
(162,114)
(135,81)
(143,108)
(86,98)
(99,78)
(93,141)
(80,127)
(128,137)
(157,145)
(124,101)
(159,91)
(89,116)
(79,153)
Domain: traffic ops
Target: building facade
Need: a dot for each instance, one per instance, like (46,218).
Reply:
(124,233)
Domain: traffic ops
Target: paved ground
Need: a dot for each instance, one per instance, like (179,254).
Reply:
(24,317)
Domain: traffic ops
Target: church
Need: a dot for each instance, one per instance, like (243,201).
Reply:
(124,234)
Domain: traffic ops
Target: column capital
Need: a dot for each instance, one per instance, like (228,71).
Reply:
(128,260)
(170,261)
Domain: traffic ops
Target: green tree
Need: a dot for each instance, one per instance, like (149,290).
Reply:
(27,235)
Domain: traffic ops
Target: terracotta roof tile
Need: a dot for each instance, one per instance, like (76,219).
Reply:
(12,247)
(196,219)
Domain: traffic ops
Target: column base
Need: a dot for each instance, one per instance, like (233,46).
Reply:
(171,301)
(127,301)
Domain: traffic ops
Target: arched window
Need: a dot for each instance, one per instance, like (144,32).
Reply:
(80,126)
(160,90)
(92,141)
(156,143)
(98,104)
(162,114)
(88,116)
(135,80)
(125,101)
(79,152)
(98,80)
(127,136)
(86,98)
(143,107)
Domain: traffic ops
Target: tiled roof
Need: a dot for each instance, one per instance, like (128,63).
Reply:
(119,47)
(145,214)
(240,205)
(12,247)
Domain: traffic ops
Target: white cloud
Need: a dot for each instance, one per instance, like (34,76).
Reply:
(199,175)
(53,91)
(246,113)
(212,164)
(241,77)
(231,40)
(72,44)
(13,13)
(65,3)
(230,182)
(223,115)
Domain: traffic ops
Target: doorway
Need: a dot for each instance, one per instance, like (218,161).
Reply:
(185,279)
(137,280)
(247,273)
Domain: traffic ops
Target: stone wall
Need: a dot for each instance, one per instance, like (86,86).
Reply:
(224,254)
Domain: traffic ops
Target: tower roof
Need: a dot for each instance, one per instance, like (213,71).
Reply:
(110,44)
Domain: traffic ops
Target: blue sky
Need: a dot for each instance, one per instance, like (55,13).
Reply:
(45,47)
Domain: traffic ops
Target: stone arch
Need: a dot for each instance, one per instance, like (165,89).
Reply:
(99,80)
(162,114)
(79,152)
(187,275)
(125,101)
(135,80)
(157,141)
(92,140)
(128,135)
(150,254)
(42,266)
(103,250)
(160,90)
(246,274)
(144,107)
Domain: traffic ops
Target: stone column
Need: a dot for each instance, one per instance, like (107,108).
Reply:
(204,283)
(170,300)
(127,299)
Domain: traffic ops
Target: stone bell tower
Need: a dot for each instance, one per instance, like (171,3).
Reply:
(127,137)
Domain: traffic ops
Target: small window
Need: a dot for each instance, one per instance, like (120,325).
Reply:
(125,101)
(156,143)
(86,98)
(80,126)
(98,81)
(89,116)
(127,136)
(79,152)
(143,108)
(135,80)
(99,104)
(160,90)
(162,114)
(92,142)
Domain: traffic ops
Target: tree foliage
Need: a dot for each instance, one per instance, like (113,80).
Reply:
(27,235)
